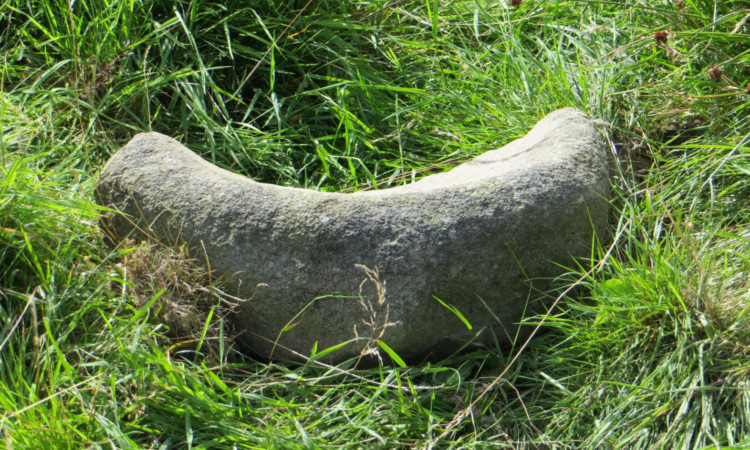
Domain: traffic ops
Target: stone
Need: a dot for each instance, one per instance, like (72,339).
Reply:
(423,268)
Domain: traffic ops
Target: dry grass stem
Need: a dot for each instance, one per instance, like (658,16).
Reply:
(377,311)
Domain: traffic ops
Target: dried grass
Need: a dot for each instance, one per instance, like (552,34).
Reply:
(378,314)
(181,294)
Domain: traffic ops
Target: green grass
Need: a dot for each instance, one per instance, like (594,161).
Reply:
(650,352)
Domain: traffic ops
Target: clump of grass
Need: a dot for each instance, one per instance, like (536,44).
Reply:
(656,355)
(180,294)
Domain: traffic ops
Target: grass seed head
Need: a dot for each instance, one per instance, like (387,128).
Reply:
(378,312)
(661,37)
(715,73)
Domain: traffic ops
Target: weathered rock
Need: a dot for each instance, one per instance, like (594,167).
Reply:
(472,237)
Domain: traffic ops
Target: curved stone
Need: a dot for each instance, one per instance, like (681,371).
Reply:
(472,237)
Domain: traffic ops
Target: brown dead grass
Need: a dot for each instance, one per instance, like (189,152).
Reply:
(181,295)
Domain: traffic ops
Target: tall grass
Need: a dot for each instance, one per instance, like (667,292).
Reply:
(651,352)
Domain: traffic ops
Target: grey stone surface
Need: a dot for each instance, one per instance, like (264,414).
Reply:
(472,237)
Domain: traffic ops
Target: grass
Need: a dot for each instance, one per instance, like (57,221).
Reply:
(651,352)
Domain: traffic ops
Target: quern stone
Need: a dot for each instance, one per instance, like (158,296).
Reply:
(472,237)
